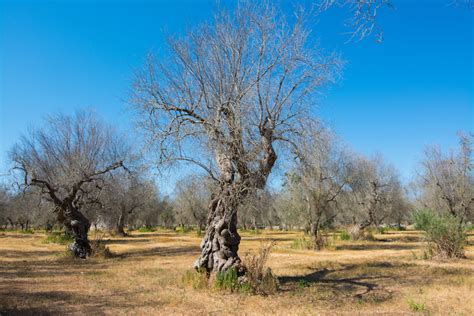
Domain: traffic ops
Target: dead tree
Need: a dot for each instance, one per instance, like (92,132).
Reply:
(231,91)
(321,174)
(447,180)
(66,160)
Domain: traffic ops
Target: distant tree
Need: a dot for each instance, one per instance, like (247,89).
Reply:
(258,210)
(375,191)
(230,93)
(124,194)
(192,199)
(67,160)
(321,174)
(447,180)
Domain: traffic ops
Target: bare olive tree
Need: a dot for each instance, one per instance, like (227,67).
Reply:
(258,210)
(124,194)
(66,160)
(375,189)
(447,180)
(229,92)
(321,174)
(192,199)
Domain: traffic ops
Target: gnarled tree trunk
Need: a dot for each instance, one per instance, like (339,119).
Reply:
(80,226)
(221,241)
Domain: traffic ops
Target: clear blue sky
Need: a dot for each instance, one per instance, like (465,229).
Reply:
(414,89)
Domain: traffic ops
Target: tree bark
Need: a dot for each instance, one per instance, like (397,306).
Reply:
(80,226)
(120,226)
(221,242)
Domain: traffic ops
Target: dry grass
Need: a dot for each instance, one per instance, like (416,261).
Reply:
(145,277)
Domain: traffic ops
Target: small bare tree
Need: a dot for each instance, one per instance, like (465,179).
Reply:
(192,199)
(375,190)
(321,173)
(447,180)
(66,160)
(231,91)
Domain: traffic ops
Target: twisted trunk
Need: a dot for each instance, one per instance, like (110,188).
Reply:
(221,241)
(80,226)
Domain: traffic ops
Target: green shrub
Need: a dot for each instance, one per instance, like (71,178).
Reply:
(381,230)
(145,229)
(183,229)
(423,218)
(445,235)
(227,280)
(344,235)
(58,238)
(303,283)
(416,307)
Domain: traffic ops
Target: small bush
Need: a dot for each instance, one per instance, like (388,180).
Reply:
(423,219)
(58,238)
(322,242)
(227,280)
(382,230)
(99,248)
(344,235)
(302,243)
(416,307)
(303,283)
(197,279)
(183,229)
(259,277)
(445,236)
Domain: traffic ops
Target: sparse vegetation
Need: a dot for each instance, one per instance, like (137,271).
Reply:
(145,229)
(416,306)
(58,238)
(379,275)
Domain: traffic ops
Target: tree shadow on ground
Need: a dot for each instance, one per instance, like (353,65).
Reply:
(161,252)
(369,282)
(376,246)
(125,241)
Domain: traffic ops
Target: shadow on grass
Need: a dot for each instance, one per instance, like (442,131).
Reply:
(125,241)
(362,282)
(161,252)
(376,246)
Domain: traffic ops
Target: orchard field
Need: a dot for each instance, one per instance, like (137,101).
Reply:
(145,275)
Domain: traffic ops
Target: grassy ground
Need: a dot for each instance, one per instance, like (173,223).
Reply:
(383,276)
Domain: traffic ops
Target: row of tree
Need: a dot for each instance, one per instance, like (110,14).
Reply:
(326,186)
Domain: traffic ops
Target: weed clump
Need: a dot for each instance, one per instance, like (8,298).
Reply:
(57,238)
(260,278)
(99,248)
(302,243)
(196,279)
(145,229)
(416,307)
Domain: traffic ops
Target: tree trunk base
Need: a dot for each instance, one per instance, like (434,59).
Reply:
(221,242)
